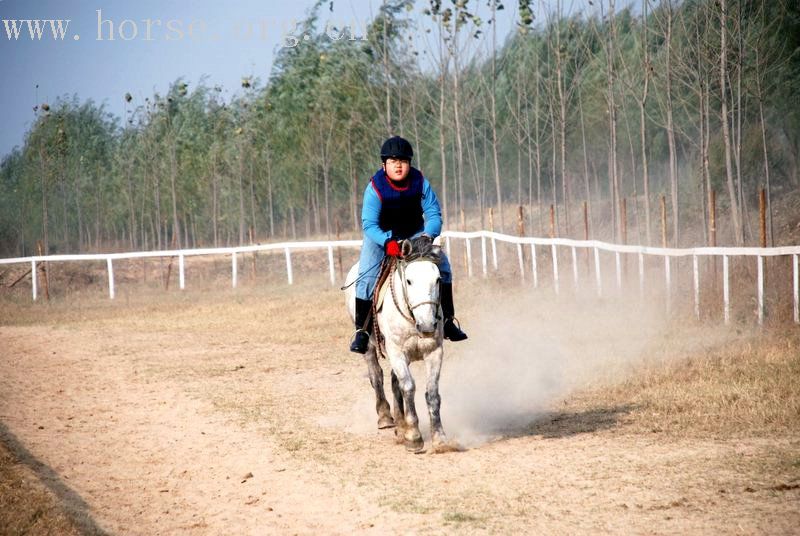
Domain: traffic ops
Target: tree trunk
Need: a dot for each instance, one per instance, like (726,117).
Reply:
(442,152)
(643,126)
(499,192)
(760,99)
(612,126)
(726,134)
(673,159)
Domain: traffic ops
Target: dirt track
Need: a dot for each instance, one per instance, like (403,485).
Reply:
(242,414)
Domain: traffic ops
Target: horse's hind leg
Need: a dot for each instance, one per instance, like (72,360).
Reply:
(376,380)
(433,364)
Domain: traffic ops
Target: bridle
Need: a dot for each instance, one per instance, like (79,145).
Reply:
(401,267)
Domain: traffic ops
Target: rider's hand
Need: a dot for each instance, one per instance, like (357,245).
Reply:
(425,241)
(392,248)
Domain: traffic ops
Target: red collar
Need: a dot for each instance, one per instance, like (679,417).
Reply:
(396,186)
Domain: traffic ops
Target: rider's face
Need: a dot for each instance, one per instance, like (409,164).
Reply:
(396,169)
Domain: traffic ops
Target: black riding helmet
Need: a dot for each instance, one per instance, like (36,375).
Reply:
(396,147)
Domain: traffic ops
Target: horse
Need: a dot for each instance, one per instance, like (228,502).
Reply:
(409,328)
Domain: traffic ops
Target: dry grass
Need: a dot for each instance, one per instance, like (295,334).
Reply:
(26,506)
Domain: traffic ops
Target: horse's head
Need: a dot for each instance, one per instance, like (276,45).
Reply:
(421,282)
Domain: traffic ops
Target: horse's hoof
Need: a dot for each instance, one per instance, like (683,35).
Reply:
(385,422)
(416,446)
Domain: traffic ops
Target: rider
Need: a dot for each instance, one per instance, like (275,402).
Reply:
(399,203)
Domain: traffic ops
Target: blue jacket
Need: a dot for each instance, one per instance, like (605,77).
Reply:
(381,196)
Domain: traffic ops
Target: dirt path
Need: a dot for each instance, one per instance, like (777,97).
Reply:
(217,420)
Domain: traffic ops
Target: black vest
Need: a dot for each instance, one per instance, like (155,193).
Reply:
(401,207)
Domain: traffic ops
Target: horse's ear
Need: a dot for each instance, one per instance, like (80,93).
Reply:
(406,248)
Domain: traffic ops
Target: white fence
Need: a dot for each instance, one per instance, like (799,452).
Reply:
(532,242)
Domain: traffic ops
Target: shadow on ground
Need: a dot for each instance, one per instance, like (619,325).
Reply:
(559,424)
(71,503)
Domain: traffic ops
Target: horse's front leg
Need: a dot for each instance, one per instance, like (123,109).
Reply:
(433,364)
(376,380)
(412,439)
(398,411)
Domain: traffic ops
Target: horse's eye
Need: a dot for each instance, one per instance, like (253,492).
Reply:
(438,280)
(408,281)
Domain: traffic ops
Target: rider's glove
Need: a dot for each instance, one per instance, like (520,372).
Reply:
(425,241)
(392,248)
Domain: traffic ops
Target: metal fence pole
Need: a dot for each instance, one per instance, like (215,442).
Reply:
(288,265)
(181,272)
(555,267)
(534,267)
(597,275)
(760,290)
(330,265)
(469,257)
(110,278)
(796,285)
(726,289)
(575,266)
(521,262)
(234,270)
(641,274)
(34,285)
(696,281)
(483,255)
(668,278)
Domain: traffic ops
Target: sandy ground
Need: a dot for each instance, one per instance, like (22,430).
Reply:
(245,414)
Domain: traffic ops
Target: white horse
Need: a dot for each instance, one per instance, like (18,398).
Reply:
(409,322)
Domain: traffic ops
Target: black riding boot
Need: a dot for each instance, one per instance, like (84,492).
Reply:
(452,330)
(360,340)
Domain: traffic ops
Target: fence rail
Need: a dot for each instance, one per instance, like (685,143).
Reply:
(552,243)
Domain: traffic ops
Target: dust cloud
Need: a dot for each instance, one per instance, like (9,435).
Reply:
(530,349)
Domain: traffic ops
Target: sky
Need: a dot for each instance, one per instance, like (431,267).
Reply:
(154,43)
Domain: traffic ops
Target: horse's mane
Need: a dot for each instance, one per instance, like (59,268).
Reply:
(422,248)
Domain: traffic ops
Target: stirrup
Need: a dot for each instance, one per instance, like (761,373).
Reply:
(359,343)
(457,334)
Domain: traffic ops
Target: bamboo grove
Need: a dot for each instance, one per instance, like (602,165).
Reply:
(615,102)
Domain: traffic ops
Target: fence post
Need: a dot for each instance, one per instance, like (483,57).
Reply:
(575,266)
(668,277)
(181,272)
(597,275)
(534,267)
(641,274)
(494,242)
(110,278)
(483,255)
(796,285)
(726,289)
(760,290)
(469,257)
(696,281)
(35,289)
(234,270)
(619,270)
(330,264)
(555,266)
(288,264)
(521,262)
